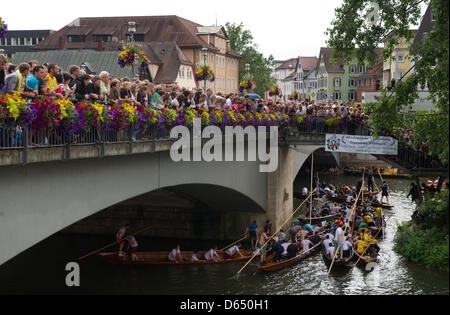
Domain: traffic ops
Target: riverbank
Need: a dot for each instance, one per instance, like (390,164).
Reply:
(427,242)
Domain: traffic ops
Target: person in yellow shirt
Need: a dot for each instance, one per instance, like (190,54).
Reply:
(368,219)
(378,217)
(50,81)
(360,244)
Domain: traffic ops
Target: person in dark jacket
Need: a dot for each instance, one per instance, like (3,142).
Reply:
(93,89)
(81,92)
(415,194)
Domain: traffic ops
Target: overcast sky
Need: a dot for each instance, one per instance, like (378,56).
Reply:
(283,28)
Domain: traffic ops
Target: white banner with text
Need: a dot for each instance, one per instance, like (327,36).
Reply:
(361,144)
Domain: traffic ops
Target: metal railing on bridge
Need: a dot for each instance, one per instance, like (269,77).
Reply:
(304,130)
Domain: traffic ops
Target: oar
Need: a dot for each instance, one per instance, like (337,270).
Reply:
(234,243)
(81,258)
(340,243)
(279,229)
(361,256)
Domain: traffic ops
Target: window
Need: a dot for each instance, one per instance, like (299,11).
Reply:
(104,38)
(400,58)
(351,82)
(352,95)
(337,82)
(337,96)
(399,75)
(76,38)
(136,37)
(352,69)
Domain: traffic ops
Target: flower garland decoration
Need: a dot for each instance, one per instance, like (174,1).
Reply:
(3,28)
(275,91)
(132,54)
(245,85)
(204,73)
(295,96)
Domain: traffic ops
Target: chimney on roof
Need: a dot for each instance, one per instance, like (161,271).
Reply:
(101,46)
(61,42)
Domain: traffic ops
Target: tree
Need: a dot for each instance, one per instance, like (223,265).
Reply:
(360,27)
(241,41)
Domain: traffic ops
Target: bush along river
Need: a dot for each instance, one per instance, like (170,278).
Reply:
(41,269)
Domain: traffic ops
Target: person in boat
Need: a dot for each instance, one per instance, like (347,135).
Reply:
(384,192)
(334,209)
(325,212)
(279,249)
(301,235)
(347,247)
(251,232)
(316,238)
(119,238)
(372,243)
(369,220)
(268,227)
(232,251)
(271,246)
(305,192)
(212,255)
(133,246)
(347,190)
(360,243)
(175,255)
(350,199)
(378,217)
(292,251)
(281,235)
(309,229)
(262,249)
(370,181)
(306,244)
(329,247)
(359,185)
(339,236)
(194,256)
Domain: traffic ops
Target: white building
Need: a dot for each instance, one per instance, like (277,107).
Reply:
(306,78)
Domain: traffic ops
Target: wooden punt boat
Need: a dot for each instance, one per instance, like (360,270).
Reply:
(337,261)
(273,266)
(299,196)
(160,258)
(318,220)
(341,200)
(364,260)
(383,205)
(360,173)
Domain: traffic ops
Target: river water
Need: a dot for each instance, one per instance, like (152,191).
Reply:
(41,269)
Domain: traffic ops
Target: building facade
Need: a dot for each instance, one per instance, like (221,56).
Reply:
(191,38)
(398,66)
(21,41)
(306,78)
(338,82)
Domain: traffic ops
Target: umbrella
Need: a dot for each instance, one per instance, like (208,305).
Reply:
(254,96)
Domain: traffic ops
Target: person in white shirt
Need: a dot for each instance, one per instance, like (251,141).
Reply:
(330,237)
(194,257)
(306,244)
(212,255)
(119,238)
(305,192)
(334,209)
(350,199)
(229,253)
(134,247)
(174,253)
(346,247)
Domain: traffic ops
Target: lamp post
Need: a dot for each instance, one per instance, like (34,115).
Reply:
(205,58)
(131,28)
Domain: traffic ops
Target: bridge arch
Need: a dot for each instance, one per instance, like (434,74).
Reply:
(303,152)
(38,200)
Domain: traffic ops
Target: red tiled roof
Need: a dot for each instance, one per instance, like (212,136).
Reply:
(155,28)
(289,64)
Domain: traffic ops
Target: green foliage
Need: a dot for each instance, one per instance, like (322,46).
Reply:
(428,242)
(429,247)
(350,35)
(241,41)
